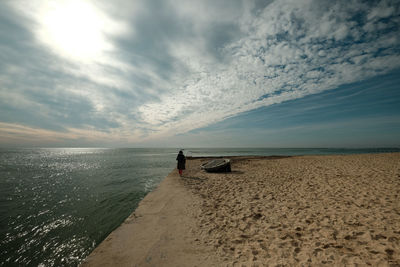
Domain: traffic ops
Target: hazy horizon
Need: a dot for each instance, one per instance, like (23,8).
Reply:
(191,148)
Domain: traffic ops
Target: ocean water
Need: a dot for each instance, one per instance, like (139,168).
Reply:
(57,204)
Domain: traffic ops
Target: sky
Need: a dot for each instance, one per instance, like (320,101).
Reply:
(176,73)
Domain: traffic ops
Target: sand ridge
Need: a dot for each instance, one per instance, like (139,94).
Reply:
(309,210)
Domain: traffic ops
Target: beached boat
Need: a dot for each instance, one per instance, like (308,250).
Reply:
(217,165)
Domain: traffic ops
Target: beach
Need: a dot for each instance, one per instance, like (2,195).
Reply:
(301,210)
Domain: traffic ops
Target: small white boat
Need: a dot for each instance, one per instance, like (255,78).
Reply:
(217,165)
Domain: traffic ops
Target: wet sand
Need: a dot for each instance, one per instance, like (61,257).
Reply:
(309,210)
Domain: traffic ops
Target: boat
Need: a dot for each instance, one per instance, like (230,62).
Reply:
(217,165)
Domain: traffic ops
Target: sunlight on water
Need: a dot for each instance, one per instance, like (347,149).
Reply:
(57,204)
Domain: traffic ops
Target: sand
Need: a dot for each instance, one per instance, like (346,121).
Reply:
(309,210)
(161,232)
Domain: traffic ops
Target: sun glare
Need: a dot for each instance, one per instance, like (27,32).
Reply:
(74,30)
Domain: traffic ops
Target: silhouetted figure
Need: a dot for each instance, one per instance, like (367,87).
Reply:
(181,162)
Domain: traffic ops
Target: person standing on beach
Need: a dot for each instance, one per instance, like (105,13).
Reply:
(181,162)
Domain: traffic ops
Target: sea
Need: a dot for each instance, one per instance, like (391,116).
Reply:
(58,204)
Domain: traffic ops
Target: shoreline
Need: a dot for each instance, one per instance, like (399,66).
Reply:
(312,209)
(159,231)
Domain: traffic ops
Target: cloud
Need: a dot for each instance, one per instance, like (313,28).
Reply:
(46,84)
(152,69)
(288,50)
(19,135)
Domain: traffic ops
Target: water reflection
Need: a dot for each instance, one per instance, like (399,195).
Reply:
(57,204)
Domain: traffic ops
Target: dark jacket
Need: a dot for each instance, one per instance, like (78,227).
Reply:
(181,161)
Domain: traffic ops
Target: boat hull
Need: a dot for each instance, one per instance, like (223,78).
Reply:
(217,165)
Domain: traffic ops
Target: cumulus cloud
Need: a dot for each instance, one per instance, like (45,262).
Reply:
(159,68)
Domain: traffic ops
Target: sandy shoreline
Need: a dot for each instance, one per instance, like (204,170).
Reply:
(306,210)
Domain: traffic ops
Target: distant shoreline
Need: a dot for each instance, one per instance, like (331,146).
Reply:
(237,157)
